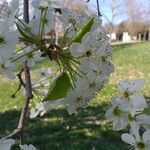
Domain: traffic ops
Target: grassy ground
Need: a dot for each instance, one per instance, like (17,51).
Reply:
(87,129)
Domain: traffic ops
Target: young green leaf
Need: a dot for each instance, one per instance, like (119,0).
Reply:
(146,111)
(59,88)
(85,29)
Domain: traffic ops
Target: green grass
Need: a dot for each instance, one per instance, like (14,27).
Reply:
(88,128)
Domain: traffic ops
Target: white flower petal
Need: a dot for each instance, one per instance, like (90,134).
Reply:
(9,73)
(138,101)
(135,127)
(88,39)
(27,147)
(146,137)
(144,119)
(123,85)
(30,63)
(131,85)
(119,124)
(129,139)
(6,144)
(76,50)
(109,114)
(33,113)
(136,85)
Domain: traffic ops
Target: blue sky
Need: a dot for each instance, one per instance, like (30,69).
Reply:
(105,6)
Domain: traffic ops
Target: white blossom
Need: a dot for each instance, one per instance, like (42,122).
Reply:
(8,38)
(144,120)
(93,54)
(85,49)
(28,147)
(117,116)
(78,98)
(44,3)
(132,99)
(43,107)
(93,81)
(136,141)
(44,73)
(7,68)
(73,18)
(33,113)
(11,9)
(6,144)
(50,105)
(32,57)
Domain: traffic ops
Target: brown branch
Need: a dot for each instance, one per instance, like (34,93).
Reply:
(29,96)
(19,75)
(21,83)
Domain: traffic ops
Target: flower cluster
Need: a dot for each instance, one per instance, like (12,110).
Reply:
(131,109)
(92,71)
(8,41)
(81,54)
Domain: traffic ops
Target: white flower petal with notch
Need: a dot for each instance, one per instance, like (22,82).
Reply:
(77,49)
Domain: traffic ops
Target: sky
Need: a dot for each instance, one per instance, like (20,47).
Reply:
(105,7)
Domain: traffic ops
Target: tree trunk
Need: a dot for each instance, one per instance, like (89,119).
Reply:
(149,34)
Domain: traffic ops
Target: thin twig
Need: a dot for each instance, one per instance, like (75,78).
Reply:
(21,83)
(29,95)
(98,8)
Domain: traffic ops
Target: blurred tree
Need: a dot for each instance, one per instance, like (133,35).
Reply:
(116,11)
(136,24)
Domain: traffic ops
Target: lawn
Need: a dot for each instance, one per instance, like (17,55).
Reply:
(87,129)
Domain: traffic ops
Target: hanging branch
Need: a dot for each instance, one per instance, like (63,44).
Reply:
(26,11)
(98,8)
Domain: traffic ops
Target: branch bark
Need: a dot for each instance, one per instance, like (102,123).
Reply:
(29,96)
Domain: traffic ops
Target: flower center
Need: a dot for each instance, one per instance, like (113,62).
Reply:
(92,85)
(2,40)
(2,66)
(116,111)
(103,58)
(130,117)
(88,53)
(126,94)
(43,74)
(72,21)
(78,99)
(141,145)
(30,55)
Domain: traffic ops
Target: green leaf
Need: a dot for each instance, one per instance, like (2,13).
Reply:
(25,37)
(22,32)
(59,88)
(146,111)
(85,29)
